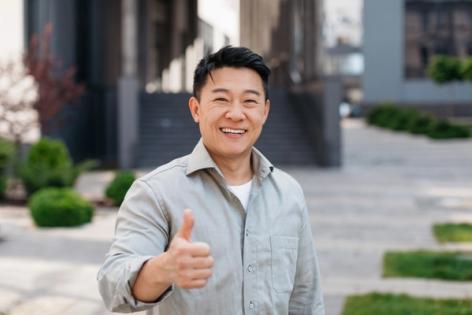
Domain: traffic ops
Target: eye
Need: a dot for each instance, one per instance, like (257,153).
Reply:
(250,101)
(220,99)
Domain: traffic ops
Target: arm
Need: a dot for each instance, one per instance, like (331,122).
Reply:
(132,279)
(141,232)
(306,296)
(185,263)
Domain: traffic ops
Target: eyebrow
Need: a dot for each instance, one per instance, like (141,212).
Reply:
(217,90)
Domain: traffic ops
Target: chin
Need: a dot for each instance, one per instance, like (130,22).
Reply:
(234,152)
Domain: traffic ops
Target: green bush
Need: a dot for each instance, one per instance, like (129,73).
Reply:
(444,69)
(467,69)
(416,122)
(54,207)
(403,119)
(421,123)
(7,151)
(118,187)
(48,164)
(443,129)
(382,115)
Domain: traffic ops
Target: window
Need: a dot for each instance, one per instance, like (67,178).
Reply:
(435,27)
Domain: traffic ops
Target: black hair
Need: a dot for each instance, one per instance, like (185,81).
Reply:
(228,56)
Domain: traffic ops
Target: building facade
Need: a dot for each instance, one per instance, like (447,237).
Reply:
(120,49)
(398,47)
(137,58)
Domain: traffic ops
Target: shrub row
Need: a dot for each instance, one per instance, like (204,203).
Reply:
(416,122)
(48,174)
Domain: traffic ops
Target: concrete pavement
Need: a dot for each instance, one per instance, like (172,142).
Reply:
(392,188)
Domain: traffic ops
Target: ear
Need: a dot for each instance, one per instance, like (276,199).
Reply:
(266,110)
(194,107)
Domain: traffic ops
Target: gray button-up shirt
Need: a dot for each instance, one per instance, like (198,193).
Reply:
(265,261)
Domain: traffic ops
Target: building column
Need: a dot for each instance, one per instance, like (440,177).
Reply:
(128,88)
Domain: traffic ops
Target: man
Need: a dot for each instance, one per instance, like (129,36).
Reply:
(219,231)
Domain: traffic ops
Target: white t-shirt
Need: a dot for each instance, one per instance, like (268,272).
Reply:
(242,192)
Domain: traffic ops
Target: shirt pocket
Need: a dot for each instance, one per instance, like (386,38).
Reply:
(284,262)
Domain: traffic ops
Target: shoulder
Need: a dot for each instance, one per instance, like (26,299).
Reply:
(284,178)
(173,169)
(157,183)
(287,184)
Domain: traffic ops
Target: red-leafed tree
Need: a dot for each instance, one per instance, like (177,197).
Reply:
(18,93)
(33,92)
(55,87)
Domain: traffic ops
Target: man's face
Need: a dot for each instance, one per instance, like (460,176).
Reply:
(231,111)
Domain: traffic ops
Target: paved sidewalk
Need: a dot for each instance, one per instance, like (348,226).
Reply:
(389,192)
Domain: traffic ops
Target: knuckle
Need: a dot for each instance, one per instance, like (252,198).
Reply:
(203,248)
(206,248)
(211,261)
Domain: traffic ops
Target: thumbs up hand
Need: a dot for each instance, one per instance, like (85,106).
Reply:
(189,263)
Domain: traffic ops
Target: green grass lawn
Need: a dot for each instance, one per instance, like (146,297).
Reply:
(390,304)
(453,232)
(429,264)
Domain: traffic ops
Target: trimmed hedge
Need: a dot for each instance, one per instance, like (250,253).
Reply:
(48,164)
(443,129)
(421,124)
(55,207)
(119,186)
(416,122)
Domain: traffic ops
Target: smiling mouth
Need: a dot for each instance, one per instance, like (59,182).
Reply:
(233,131)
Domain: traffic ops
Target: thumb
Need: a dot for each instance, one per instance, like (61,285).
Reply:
(187,225)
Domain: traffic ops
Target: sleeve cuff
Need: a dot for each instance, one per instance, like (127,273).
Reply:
(132,270)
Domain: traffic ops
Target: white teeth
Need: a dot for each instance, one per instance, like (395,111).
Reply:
(236,131)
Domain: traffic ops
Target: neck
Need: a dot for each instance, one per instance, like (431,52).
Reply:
(235,171)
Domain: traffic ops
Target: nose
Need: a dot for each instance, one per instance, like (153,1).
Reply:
(236,112)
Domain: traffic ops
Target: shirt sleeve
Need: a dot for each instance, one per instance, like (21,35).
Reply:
(306,297)
(141,232)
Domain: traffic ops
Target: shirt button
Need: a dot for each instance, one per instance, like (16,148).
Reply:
(251,305)
(247,232)
(251,268)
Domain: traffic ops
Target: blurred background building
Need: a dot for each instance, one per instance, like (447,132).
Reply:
(137,58)
(400,38)
(342,47)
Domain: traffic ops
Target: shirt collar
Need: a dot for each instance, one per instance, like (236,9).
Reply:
(200,159)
